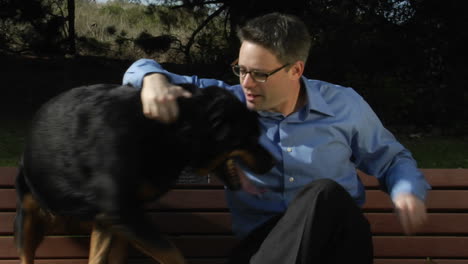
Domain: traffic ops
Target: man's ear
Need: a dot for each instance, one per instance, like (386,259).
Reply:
(296,70)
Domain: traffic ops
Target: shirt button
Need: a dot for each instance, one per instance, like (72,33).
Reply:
(289,149)
(291,179)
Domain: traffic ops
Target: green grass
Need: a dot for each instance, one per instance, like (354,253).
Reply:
(12,135)
(439,152)
(429,151)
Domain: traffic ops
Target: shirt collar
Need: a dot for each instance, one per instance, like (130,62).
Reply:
(315,101)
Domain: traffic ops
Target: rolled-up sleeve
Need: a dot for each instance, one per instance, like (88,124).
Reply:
(142,67)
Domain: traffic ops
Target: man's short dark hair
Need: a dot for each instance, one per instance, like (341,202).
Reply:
(285,35)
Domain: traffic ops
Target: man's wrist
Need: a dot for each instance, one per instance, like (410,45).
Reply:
(155,77)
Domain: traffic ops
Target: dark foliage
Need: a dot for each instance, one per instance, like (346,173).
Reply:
(406,57)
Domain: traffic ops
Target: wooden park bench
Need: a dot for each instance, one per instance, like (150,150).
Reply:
(196,218)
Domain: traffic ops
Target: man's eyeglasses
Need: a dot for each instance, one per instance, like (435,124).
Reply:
(257,76)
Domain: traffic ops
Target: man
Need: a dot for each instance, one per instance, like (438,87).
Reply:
(319,133)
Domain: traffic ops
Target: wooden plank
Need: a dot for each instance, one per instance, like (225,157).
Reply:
(220,223)
(6,223)
(7,176)
(220,246)
(451,178)
(68,248)
(172,223)
(191,246)
(7,199)
(48,261)
(421,246)
(215,200)
(421,261)
(436,200)
(223,261)
(437,178)
(180,199)
(437,223)
(192,199)
(130,261)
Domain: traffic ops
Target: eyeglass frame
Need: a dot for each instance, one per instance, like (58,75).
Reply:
(235,66)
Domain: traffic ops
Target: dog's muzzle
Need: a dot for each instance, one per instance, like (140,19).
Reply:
(256,159)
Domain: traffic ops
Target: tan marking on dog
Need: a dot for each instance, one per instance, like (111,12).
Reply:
(118,253)
(29,203)
(171,255)
(31,237)
(244,155)
(100,244)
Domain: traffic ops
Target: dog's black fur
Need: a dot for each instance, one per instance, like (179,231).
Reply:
(91,152)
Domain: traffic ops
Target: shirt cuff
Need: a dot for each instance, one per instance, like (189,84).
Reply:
(414,186)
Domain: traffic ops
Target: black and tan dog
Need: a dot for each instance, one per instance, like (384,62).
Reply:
(91,155)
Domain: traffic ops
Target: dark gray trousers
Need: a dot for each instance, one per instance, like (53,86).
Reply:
(322,225)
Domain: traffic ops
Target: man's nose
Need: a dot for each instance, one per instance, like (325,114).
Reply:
(248,81)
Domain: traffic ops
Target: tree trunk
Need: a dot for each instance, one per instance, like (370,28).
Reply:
(71,26)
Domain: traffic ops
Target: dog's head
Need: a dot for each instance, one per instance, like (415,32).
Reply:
(222,130)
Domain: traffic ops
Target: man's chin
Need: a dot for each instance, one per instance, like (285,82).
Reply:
(252,106)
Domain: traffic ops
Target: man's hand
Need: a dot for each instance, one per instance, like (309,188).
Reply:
(411,211)
(158,97)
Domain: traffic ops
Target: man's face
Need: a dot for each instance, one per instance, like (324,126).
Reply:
(272,95)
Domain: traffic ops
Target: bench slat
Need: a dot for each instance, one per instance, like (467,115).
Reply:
(451,178)
(130,261)
(223,261)
(220,223)
(219,246)
(436,200)
(215,200)
(437,178)
(424,246)
(420,261)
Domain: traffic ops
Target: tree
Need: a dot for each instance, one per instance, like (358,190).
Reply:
(37,26)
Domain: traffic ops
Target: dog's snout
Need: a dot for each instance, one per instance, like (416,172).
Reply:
(262,160)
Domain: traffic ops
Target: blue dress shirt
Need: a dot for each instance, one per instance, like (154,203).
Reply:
(332,135)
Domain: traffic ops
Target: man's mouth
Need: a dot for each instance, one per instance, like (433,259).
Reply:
(251,97)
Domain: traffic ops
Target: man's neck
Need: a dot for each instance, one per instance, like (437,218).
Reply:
(299,98)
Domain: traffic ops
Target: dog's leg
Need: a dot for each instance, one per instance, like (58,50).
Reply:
(29,229)
(166,253)
(101,238)
(119,250)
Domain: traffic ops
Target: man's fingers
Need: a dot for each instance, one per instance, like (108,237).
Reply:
(151,111)
(411,212)
(178,91)
(160,101)
(172,111)
(405,221)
